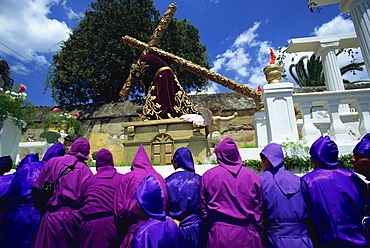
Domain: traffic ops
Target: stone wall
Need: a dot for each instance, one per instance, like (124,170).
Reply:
(103,122)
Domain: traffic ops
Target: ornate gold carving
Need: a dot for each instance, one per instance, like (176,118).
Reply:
(138,69)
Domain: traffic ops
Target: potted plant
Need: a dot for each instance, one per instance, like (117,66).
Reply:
(15,113)
(63,122)
(14,105)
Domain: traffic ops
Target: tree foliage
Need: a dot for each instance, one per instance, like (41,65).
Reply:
(311,73)
(94,63)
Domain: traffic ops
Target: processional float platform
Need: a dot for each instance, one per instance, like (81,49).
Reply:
(161,138)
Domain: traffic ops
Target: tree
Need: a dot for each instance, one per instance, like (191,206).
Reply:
(94,63)
(312,73)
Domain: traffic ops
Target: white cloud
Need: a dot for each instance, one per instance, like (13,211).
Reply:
(245,59)
(338,25)
(27,29)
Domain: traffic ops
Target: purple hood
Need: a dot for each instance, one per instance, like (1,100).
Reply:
(228,155)
(150,198)
(363,146)
(325,151)
(288,183)
(184,158)
(80,148)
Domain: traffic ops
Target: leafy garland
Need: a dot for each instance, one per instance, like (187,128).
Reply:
(54,121)
(14,104)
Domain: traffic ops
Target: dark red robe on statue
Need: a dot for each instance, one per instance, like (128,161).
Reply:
(165,97)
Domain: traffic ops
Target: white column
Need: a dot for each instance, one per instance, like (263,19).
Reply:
(279,110)
(260,129)
(309,132)
(333,77)
(360,13)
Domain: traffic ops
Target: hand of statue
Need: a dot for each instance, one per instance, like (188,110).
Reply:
(236,114)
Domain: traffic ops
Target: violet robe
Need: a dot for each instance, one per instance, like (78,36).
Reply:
(60,225)
(124,200)
(284,207)
(335,200)
(22,219)
(98,228)
(231,201)
(184,200)
(159,230)
(164,92)
(6,164)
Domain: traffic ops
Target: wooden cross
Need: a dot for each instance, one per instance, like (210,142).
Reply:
(154,41)
(185,64)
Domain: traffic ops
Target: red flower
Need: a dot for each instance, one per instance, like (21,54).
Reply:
(22,88)
(272,57)
(56,110)
(259,89)
(76,114)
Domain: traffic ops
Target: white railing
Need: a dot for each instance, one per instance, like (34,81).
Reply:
(25,148)
(343,115)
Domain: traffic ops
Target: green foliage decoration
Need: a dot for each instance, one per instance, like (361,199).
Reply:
(55,119)
(15,105)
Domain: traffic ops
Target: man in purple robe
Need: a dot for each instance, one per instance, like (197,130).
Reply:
(284,208)
(184,199)
(361,157)
(98,228)
(335,199)
(231,201)
(6,163)
(159,230)
(60,224)
(21,219)
(361,165)
(124,200)
(165,97)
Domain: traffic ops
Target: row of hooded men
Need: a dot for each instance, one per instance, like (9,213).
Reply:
(229,206)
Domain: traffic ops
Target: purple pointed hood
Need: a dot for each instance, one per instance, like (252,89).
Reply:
(228,155)
(325,151)
(141,160)
(286,181)
(104,158)
(6,163)
(184,158)
(150,198)
(80,148)
(29,158)
(363,146)
(55,150)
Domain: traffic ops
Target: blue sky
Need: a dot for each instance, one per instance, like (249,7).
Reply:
(237,34)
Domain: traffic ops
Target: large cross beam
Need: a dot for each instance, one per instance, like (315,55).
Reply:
(197,69)
(154,41)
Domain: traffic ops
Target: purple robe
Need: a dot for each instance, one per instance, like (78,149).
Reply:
(231,201)
(184,200)
(159,230)
(98,228)
(21,219)
(60,224)
(6,164)
(335,200)
(164,92)
(124,200)
(284,207)
(7,179)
